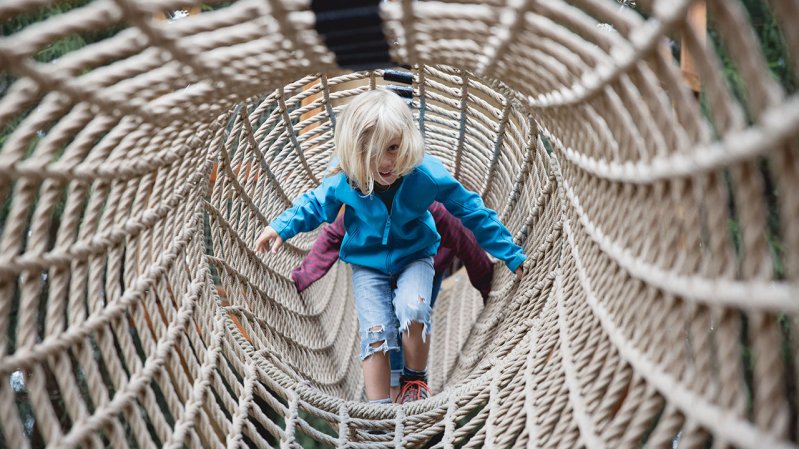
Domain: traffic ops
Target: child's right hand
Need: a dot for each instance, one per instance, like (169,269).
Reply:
(264,242)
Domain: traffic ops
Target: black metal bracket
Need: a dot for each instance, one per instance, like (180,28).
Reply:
(398,76)
(353,30)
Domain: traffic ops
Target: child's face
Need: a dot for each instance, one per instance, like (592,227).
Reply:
(385,166)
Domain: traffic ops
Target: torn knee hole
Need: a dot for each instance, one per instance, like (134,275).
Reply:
(377,344)
(376,328)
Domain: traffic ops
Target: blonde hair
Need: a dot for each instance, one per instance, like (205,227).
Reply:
(364,130)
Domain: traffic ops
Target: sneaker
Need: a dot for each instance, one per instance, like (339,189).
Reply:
(413,390)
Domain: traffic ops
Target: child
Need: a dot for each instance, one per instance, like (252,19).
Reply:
(456,240)
(387,183)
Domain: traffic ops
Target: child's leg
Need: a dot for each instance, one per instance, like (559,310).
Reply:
(378,328)
(376,373)
(412,304)
(418,347)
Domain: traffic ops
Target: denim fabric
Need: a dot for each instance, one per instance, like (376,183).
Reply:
(396,358)
(436,288)
(389,303)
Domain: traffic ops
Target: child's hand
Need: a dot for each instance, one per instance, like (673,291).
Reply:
(264,241)
(520,273)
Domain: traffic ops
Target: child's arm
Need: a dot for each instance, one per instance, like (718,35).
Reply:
(492,235)
(323,254)
(309,211)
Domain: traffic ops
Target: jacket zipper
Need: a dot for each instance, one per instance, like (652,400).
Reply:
(387,228)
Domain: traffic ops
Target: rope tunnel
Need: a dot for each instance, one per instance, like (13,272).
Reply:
(660,305)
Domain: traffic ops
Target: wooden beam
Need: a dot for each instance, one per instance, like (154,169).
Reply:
(697,19)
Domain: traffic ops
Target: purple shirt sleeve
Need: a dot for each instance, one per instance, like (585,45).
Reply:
(464,245)
(323,254)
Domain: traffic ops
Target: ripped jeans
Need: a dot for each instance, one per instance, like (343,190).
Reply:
(387,304)
(396,359)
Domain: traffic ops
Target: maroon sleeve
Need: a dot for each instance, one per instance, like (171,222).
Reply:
(323,254)
(461,240)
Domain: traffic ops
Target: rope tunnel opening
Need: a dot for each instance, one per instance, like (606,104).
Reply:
(145,145)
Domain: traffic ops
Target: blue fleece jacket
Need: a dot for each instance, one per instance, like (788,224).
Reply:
(387,241)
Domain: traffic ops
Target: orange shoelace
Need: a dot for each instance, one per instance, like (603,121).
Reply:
(414,390)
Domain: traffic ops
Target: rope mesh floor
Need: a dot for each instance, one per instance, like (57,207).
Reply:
(138,171)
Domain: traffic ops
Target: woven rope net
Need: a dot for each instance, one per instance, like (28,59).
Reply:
(137,171)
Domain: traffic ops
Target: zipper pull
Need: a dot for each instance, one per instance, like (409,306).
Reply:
(385,231)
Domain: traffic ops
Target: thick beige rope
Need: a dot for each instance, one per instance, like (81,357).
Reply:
(660,301)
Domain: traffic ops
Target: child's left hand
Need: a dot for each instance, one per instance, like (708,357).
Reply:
(520,273)
(264,241)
